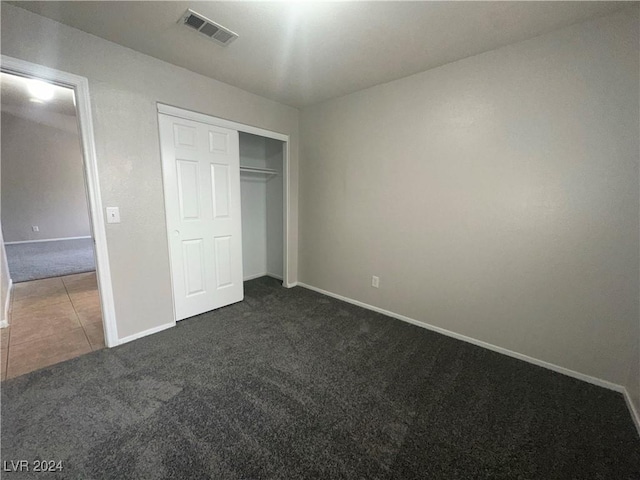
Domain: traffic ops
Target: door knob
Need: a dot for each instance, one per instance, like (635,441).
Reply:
(176,232)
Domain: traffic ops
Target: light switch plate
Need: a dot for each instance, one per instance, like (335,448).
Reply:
(113,215)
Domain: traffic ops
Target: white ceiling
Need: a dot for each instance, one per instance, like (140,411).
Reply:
(300,53)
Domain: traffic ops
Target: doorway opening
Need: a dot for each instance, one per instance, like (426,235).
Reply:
(60,301)
(55,311)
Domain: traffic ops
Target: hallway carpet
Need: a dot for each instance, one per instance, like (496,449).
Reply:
(34,261)
(290,384)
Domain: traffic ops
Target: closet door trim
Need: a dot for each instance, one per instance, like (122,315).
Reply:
(220,122)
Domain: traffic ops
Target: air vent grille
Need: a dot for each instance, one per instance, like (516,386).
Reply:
(206,27)
(222,36)
(194,21)
(209,30)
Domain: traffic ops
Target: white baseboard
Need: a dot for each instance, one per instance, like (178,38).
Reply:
(251,277)
(632,408)
(46,240)
(151,331)
(4,322)
(541,363)
(258,275)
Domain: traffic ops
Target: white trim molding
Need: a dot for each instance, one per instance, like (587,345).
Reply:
(47,240)
(286,251)
(253,277)
(150,331)
(219,122)
(541,363)
(80,85)
(4,323)
(258,275)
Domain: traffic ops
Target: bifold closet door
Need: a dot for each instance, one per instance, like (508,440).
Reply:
(201,173)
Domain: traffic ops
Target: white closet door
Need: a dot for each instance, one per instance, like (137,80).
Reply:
(201,170)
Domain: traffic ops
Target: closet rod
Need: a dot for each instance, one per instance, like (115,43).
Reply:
(265,171)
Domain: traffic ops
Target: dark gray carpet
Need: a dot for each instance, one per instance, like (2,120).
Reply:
(290,384)
(33,261)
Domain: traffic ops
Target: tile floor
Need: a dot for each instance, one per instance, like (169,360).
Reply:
(50,321)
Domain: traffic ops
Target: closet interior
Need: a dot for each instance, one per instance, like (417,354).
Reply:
(262,199)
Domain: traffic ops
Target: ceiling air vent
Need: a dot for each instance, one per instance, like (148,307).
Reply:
(206,27)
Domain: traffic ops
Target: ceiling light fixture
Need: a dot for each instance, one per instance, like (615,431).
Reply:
(40,90)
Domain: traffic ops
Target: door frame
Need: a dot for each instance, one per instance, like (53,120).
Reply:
(241,127)
(80,86)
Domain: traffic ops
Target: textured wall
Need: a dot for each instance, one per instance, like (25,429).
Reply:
(496,197)
(125,87)
(42,182)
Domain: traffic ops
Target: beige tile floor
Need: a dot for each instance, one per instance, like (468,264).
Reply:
(50,321)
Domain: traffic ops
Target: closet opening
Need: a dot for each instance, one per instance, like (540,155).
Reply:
(262,187)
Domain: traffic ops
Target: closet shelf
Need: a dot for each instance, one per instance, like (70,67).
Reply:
(264,171)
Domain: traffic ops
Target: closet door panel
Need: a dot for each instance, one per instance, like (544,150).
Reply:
(201,173)
(220,182)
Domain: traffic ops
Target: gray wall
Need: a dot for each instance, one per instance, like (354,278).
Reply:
(496,197)
(42,182)
(124,87)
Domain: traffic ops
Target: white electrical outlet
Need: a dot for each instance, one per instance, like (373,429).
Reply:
(375,281)
(35,228)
